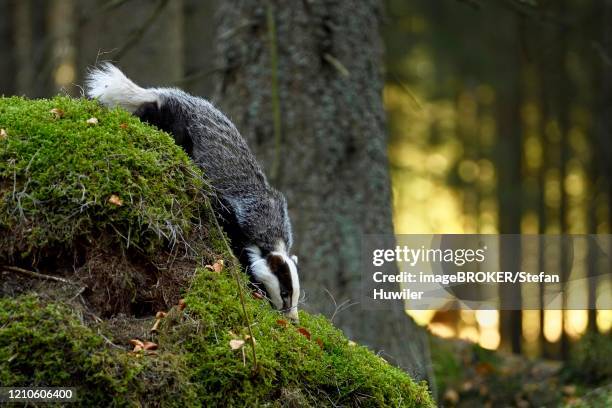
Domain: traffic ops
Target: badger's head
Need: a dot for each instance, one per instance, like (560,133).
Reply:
(275,273)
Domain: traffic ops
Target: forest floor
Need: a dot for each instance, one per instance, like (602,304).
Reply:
(469,375)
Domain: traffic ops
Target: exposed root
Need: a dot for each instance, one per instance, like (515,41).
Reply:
(38,275)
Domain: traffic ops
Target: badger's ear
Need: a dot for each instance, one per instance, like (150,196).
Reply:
(295,259)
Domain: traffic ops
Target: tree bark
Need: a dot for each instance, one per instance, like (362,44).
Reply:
(199,44)
(510,192)
(320,133)
(7,66)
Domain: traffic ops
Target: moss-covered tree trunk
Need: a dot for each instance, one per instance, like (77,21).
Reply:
(321,136)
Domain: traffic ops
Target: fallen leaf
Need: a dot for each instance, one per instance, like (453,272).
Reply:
(3,134)
(320,343)
(249,338)
(257,294)
(137,349)
(57,113)
(149,345)
(451,397)
(218,266)
(92,121)
(235,344)
(304,332)
(181,304)
(123,126)
(136,343)
(115,200)
(281,322)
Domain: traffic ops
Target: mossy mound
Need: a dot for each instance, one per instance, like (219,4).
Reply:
(98,194)
(60,178)
(310,365)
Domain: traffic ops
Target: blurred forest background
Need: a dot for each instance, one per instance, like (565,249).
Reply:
(449,116)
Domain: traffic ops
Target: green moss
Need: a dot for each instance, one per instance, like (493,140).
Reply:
(46,345)
(325,369)
(590,359)
(57,175)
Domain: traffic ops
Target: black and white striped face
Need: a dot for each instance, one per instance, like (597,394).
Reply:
(276,274)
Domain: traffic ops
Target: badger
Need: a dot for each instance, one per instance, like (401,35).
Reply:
(253,214)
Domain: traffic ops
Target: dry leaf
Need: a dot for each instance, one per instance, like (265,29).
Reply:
(115,200)
(257,294)
(216,267)
(137,349)
(136,343)
(320,343)
(451,396)
(181,304)
(235,344)
(281,322)
(149,345)
(249,338)
(123,126)
(3,134)
(57,113)
(304,332)
(92,121)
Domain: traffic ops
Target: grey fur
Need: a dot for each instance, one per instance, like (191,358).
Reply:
(227,161)
(252,212)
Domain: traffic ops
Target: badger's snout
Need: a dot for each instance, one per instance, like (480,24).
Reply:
(292,314)
(276,274)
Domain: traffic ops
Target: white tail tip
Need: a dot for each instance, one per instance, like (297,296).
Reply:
(112,88)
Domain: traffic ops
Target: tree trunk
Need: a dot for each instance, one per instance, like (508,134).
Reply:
(199,43)
(509,163)
(7,66)
(320,133)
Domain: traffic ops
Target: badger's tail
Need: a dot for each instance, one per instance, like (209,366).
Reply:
(112,88)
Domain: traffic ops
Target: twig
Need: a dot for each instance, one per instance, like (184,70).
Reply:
(38,275)
(335,62)
(110,343)
(238,282)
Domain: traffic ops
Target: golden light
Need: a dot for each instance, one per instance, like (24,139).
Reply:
(574,184)
(552,325)
(604,320)
(552,189)
(576,322)
(533,152)
(468,170)
(64,74)
(529,223)
(487,318)
(469,334)
(421,317)
(489,338)
(468,317)
(442,330)
(531,325)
